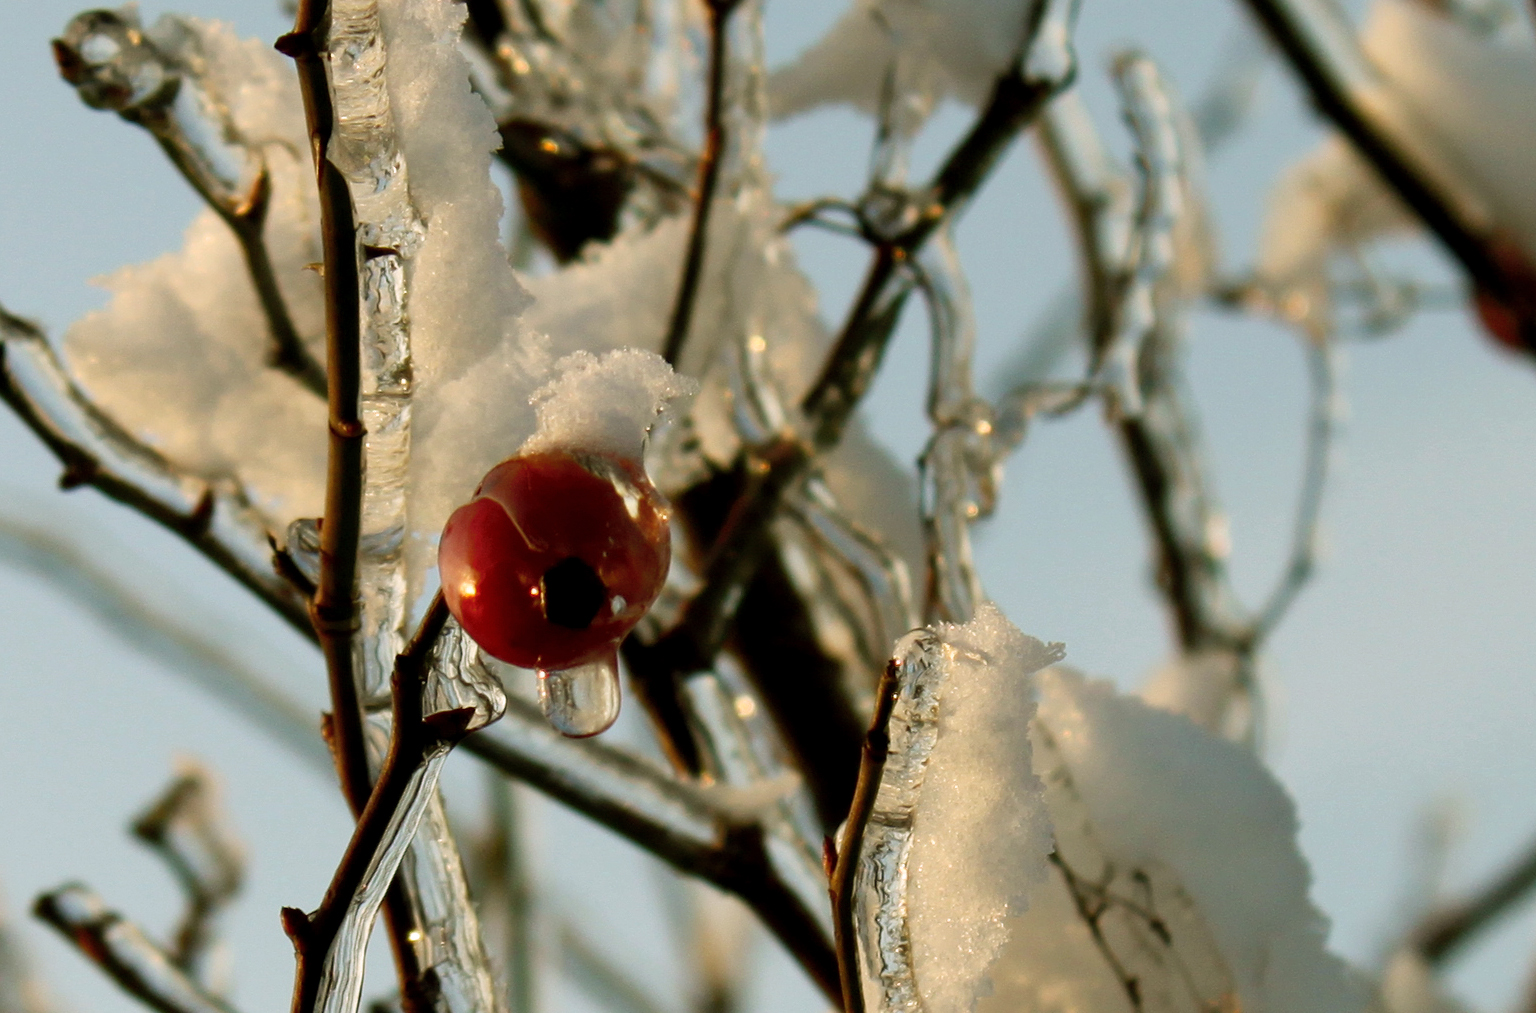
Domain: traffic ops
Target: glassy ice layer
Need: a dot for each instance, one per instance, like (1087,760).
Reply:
(365,147)
(122,946)
(583,700)
(880,885)
(341,985)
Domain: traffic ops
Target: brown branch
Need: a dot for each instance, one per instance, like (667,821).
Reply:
(36,387)
(1444,932)
(731,856)
(247,219)
(877,746)
(1465,241)
(124,952)
(413,737)
(768,473)
(709,173)
(246,216)
(333,608)
(184,828)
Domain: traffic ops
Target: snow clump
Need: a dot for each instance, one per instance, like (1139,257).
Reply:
(980,831)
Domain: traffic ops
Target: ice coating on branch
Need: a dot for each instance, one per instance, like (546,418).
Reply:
(954,47)
(178,357)
(465,299)
(1471,95)
(606,403)
(1457,101)
(958,831)
(1181,825)
(981,832)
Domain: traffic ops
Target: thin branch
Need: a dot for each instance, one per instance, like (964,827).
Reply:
(414,736)
(604,982)
(215,518)
(169,639)
(877,745)
(161,114)
(1444,932)
(709,173)
(1322,433)
(124,952)
(247,219)
(1300,37)
(333,609)
(1015,102)
(185,828)
(658,814)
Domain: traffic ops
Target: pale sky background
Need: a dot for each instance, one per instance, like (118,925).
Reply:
(1402,679)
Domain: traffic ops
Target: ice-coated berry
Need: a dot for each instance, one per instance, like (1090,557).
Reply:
(556,557)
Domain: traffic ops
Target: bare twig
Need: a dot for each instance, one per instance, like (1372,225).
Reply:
(170,639)
(1444,932)
(185,829)
(414,737)
(1309,46)
(333,608)
(709,173)
(124,952)
(602,980)
(844,858)
(660,815)
(215,518)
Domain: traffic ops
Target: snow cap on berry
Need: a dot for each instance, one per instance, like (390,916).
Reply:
(605,403)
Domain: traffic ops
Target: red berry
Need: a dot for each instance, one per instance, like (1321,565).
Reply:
(556,557)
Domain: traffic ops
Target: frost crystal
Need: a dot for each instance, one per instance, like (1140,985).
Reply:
(959,830)
(604,403)
(1177,873)
(178,357)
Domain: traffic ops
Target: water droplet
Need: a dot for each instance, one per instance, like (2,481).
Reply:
(581,701)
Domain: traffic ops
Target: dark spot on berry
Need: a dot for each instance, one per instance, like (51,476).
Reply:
(573,594)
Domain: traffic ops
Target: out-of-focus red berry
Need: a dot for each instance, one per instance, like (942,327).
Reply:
(556,557)
(1512,321)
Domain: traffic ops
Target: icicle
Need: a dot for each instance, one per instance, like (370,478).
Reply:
(159,80)
(584,700)
(366,149)
(960,467)
(341,985)
(958,830)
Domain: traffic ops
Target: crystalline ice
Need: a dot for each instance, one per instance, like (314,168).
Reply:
(583,700)
(1189,848)
(459,678)
(958,831)
(341,983)
(605,403)
(178,357)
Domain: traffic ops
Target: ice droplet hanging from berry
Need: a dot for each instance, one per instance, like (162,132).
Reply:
(553,561)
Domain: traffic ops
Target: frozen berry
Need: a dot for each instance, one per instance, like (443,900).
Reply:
(556,557)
